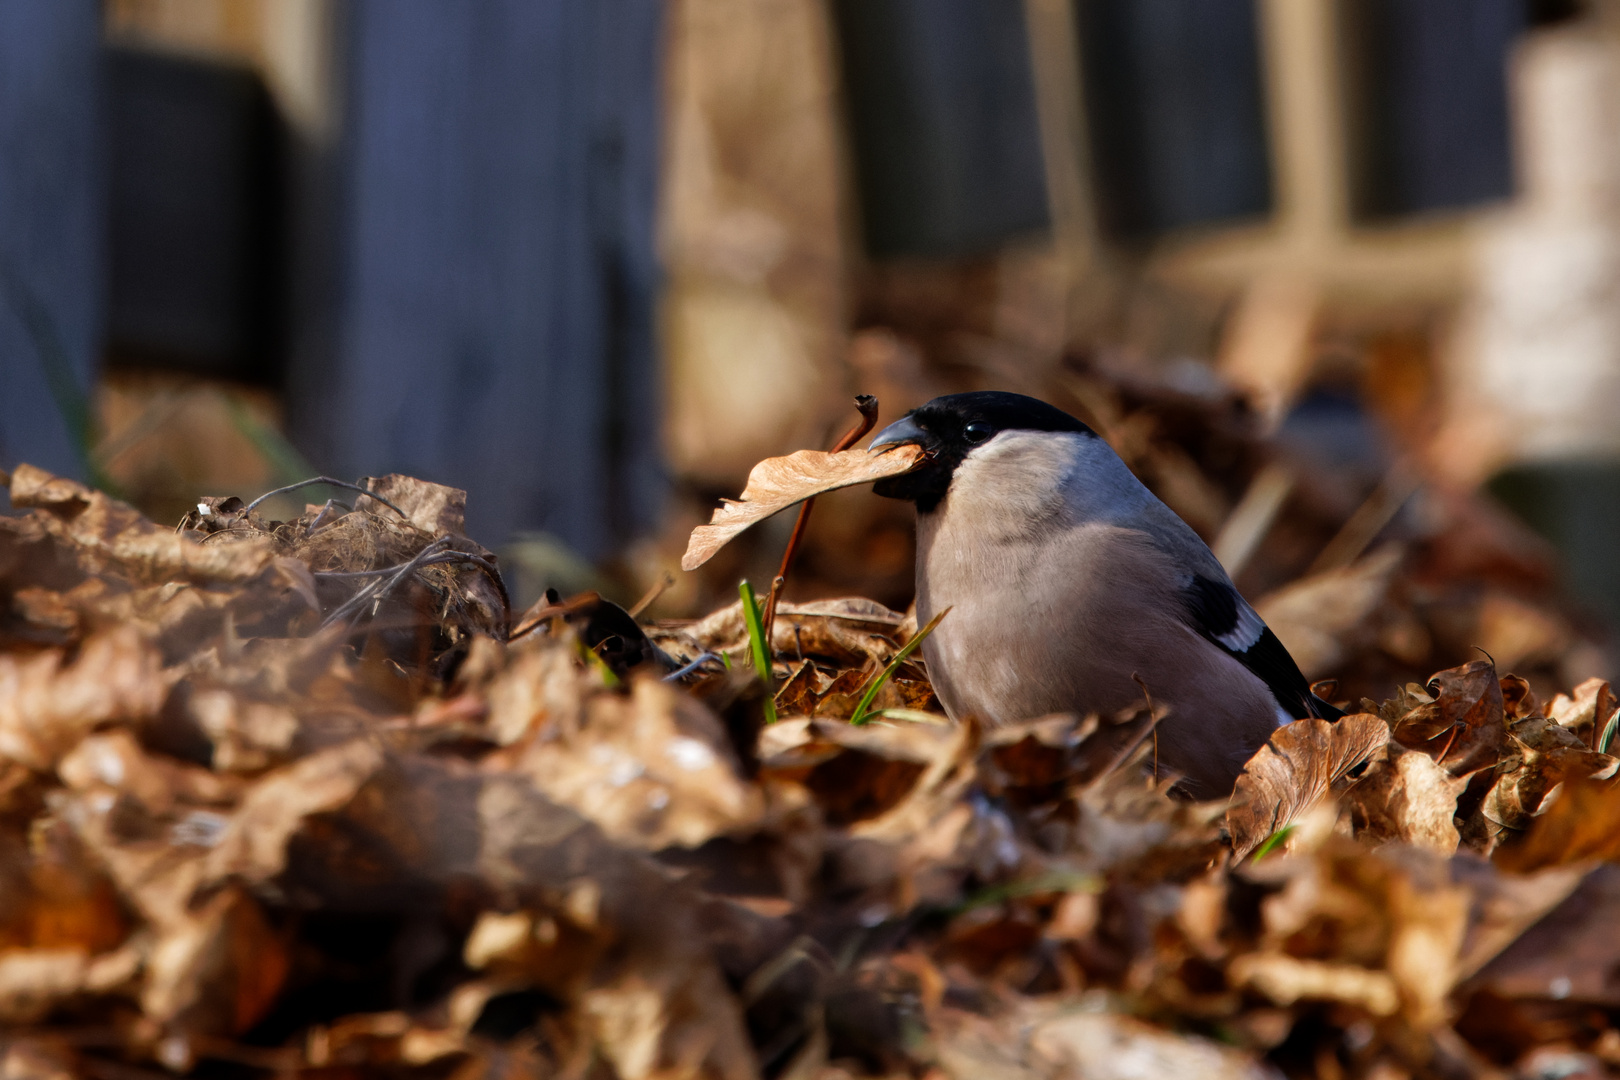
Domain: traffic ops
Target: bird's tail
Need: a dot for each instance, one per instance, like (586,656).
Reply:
(1321,708)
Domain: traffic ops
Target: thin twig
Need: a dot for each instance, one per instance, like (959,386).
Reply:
(1130,748)
(441,558)
(867,406)
(437,560)
(327,480)
(1369,519)
(377,590)
(665,580)
(541,613)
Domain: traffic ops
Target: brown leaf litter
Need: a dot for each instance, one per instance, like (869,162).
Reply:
(282,797)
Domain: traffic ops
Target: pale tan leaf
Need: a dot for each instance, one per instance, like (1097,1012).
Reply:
(1590,708)
(433,508)
(777,483)
(1411,799)
(1287,979)
(1302,764)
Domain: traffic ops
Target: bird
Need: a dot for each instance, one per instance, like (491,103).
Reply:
(1072,589)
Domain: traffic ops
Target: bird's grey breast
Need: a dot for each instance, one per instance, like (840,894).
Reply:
(1027,552)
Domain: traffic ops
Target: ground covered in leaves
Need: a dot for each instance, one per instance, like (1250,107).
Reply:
(306,798)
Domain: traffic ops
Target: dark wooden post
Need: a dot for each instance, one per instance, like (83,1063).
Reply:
(50,229)
(495,262)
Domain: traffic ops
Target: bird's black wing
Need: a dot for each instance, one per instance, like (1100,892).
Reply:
(1217,612)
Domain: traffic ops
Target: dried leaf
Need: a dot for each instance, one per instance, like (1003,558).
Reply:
(1320,619)
(1582,823)
(104,536)
(1464,727)
(653,770)
(253,847)
(1287,979)
(777,483)
(433,508)
(1545,754)
(1588,711)
(1410,799)
(49,702)
(217,972)
(1304,763)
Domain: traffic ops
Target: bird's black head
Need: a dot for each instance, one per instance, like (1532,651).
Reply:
(950,427)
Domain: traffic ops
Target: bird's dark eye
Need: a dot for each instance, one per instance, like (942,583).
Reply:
(976,432)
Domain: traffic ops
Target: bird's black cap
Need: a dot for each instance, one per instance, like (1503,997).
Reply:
(950,427)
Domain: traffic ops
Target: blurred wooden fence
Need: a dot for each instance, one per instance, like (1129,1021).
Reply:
(50,228)
(494,266)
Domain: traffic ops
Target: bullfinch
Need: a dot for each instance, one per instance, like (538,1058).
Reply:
(1072,588)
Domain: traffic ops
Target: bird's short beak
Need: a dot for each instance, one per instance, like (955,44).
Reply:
(900,433)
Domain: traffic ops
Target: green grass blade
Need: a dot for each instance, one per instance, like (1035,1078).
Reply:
(757,645)
(865,704)
(594,660)
(1273,842)
(1607,740)
(1055,882)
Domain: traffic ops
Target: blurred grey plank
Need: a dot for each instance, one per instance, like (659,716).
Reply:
(941,101)
(1174,110)
(495,260)
(50,228)
(1428,89)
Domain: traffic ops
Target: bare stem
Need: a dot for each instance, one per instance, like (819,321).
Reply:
(867,406)
(328,481)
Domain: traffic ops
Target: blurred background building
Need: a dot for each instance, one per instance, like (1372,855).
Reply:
(590,259)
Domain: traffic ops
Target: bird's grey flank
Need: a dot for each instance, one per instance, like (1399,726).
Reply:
(1072,587)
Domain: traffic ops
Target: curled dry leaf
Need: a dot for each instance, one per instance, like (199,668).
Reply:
(1587,711)
(1539,756)
(1408,798)
(1302,764)
(777,483)
(1463,727)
